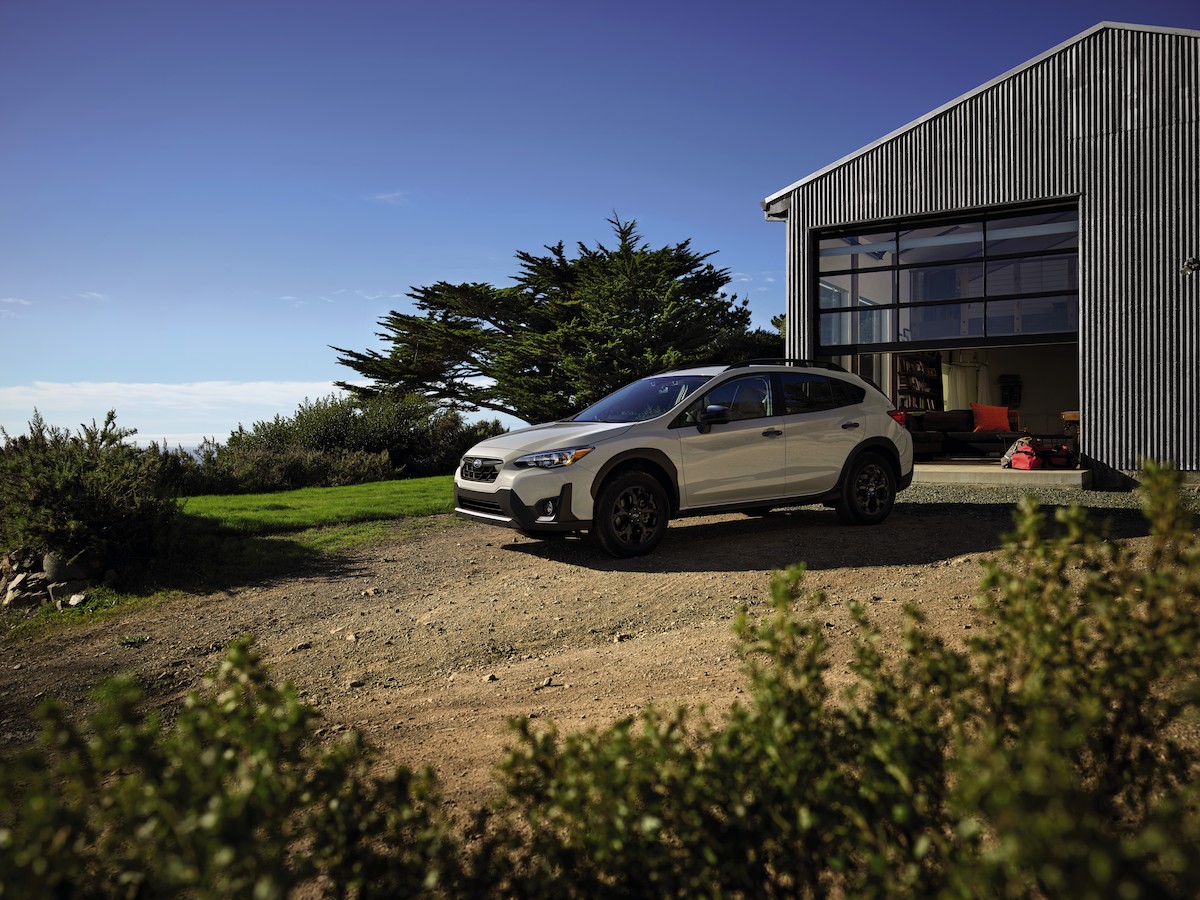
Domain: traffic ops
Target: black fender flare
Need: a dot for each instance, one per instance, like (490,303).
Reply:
(647,459)
(879,445)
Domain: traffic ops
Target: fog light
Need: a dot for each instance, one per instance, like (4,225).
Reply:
(548,507)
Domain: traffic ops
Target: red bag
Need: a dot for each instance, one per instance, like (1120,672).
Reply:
(1027,457)
(1022,443)
(1060,457)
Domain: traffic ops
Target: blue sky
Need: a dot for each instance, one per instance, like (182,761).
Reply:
(198,198)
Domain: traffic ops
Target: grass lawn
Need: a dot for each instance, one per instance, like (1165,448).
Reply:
(309,508)
(277,530)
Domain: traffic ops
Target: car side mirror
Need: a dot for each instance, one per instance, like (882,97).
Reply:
(713,415)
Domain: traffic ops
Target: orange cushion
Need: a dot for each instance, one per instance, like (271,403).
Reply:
(990,418)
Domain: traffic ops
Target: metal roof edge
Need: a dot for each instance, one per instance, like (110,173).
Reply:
(1083,35)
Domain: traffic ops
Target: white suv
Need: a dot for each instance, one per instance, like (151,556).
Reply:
(749,437)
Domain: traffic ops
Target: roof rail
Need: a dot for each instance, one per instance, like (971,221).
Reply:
(781,361)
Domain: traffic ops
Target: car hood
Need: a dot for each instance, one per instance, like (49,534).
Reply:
(551,436)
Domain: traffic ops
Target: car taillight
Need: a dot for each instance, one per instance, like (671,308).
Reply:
(898,415)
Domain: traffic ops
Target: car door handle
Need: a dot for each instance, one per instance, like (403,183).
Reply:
(850,425)
(772,432)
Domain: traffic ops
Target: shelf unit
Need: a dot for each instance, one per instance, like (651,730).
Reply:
(918,381)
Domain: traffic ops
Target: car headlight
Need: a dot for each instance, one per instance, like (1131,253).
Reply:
(552,459)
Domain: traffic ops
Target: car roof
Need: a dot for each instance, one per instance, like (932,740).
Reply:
(695,370)
(773,364)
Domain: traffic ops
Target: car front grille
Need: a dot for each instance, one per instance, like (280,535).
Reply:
(481,469)
(487,507)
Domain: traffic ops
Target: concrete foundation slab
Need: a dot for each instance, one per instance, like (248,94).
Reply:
(989,472)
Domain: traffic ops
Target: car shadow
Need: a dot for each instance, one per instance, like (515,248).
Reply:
(914,534)
(204,557)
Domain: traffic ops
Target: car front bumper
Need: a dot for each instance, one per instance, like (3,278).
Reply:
(504,508)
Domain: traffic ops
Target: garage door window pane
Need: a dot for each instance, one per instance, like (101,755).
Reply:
(856,289)
(1038,315)
(943,322)
(1038,275)
(941,242)
(857,251)
(931,283)
(873,326)
(1034,233)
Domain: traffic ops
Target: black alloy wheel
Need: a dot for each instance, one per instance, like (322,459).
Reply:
(631,515)
(869,491)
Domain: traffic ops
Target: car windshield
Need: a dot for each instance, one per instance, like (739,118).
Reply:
(643,400)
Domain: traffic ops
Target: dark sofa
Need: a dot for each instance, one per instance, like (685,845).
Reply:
(952,433)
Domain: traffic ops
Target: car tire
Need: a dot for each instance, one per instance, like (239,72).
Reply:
(868,492)
(631,515)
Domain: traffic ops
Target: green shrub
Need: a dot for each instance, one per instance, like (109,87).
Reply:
(418,437)
(1046,758)
(332,442)
(250,470)
(235,799)
(1074,768)
(87,496)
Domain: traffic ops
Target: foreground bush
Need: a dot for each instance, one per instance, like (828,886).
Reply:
(1045,759)
(234,799)
(89,496)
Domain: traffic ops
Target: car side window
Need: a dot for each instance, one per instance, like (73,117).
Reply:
(749,397)
(805,393)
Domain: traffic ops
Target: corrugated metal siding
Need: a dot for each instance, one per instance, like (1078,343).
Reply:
(1114,120)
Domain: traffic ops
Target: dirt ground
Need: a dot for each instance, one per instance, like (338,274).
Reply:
(430,643)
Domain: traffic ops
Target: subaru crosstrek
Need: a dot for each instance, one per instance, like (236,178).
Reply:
(748,437)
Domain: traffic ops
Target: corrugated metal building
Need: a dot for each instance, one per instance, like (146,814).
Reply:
(1037,240)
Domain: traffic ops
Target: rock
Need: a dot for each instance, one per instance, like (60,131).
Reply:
(492,677)
(25,590)
(21,560)
(17,584)
(60,589)
(57,569)
(73,601)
